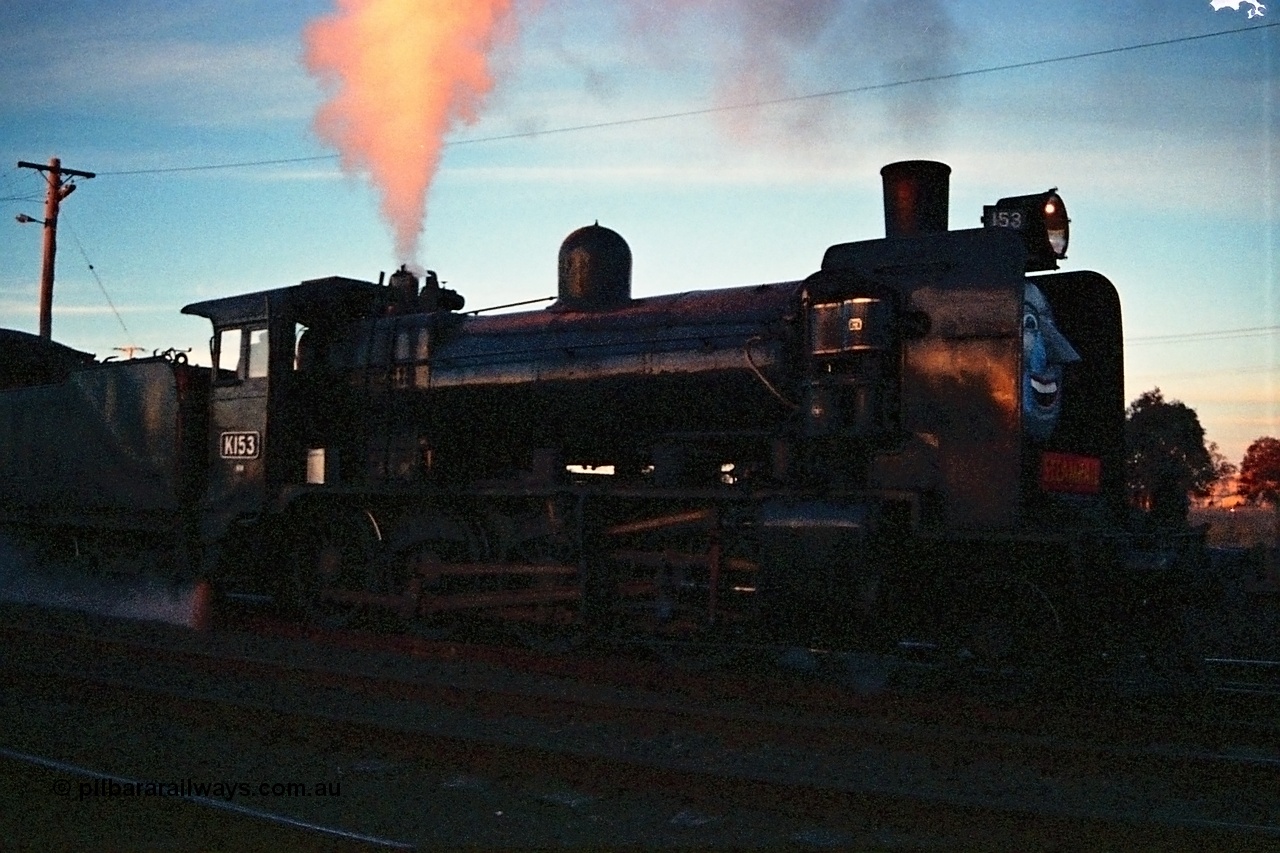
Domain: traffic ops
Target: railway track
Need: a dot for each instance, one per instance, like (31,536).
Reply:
(966,768)
(182,816)
(1112,710)
(1245,676)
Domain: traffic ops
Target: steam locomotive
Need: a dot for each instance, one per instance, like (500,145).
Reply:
(917,440)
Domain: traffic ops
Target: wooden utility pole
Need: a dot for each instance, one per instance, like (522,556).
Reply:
(58,190)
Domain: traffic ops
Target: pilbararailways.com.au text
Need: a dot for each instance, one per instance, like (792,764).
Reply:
(221,790)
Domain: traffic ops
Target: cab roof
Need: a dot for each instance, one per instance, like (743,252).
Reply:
(311,303)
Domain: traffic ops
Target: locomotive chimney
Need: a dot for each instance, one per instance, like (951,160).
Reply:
(404,288)
(915,197)
(405,296)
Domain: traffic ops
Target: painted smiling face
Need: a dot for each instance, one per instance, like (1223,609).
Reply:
(1044,352)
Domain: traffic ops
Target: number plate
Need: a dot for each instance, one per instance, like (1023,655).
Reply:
(996,217)
(1070,473)
(239,445)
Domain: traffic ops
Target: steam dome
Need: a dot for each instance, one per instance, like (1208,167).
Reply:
(595,270)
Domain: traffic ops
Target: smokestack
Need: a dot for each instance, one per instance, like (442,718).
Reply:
(915,197)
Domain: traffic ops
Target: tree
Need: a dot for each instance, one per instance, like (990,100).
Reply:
(1260,471)
(1167,456)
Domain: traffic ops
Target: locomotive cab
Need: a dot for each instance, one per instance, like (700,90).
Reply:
(260,402)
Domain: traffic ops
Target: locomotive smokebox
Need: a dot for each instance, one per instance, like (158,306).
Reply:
(915,197)
(595,270)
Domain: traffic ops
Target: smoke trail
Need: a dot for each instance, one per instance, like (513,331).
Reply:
(773,49)
(403,73)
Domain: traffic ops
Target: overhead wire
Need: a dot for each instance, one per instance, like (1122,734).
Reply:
(745,105)
(1273,368)
(1193,337)
(1224,334)
(11,181)
(211,166)
(62,220)
(871,87)
(1207,336)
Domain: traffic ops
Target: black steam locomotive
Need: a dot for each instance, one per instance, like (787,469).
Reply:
(917,440)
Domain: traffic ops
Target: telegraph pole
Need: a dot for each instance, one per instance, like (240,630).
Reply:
(58,190)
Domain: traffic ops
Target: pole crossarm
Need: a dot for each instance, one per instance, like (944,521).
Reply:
(43,167)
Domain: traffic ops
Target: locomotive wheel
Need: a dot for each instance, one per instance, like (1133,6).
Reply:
(419,543)
(335,551)
(1010,622)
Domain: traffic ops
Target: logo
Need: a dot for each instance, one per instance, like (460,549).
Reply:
(1255,12)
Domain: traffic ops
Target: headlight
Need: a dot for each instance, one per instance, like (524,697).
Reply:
(1042,221)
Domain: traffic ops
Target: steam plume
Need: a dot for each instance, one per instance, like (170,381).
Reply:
(403,73)
(774,49)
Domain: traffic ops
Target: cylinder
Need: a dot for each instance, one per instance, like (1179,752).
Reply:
(915,197)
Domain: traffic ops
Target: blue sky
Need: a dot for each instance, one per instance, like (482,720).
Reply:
(1168,159)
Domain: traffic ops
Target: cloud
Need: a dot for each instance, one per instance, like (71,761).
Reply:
(19,308)
(1180,173)
(797,47)
(181,80)
(671,173)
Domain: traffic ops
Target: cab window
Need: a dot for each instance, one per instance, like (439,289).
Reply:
(228,355)
(257,353)
(241,354)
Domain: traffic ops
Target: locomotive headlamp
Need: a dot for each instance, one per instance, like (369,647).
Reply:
(860,324)
(1042,220)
